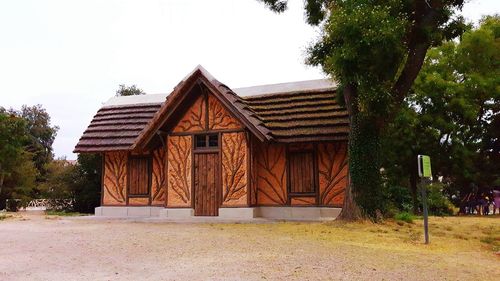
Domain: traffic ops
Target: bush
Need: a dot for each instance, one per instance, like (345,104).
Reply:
(437,201)
(12,205)
(404,216)
(399,198)
(86,183)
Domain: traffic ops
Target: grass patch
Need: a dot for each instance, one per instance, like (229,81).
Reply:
(64,214)
(404,216)
(4,216)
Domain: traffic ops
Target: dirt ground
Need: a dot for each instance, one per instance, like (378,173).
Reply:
(75,248)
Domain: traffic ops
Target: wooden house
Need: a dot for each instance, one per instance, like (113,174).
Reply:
(205,149)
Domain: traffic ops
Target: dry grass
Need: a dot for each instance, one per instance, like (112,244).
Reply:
(79,248)
(447,234)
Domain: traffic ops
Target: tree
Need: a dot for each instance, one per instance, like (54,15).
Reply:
(41,135)
(59,180)
(17,171)
(86,182)
(374,49)
(129,91)
(453,114)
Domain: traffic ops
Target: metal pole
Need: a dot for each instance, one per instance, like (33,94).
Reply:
(423,188)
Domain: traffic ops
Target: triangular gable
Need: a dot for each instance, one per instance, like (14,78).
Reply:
(223,95)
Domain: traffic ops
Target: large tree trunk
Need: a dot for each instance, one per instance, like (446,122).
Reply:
(364,188)
(350,209)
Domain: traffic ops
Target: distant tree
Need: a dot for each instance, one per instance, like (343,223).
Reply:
(129,91)
(374,49)
(12,138)
(58,184)
(41,135)
(453,115)
(17,171)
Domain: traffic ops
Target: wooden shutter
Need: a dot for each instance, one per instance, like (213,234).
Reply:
(301,172)
(139,176)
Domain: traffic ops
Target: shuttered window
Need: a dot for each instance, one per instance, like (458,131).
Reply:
(138,176)
(301,172)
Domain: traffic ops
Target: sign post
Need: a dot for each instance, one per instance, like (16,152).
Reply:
(425,173)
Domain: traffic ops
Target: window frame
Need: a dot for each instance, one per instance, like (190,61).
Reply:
(207,146)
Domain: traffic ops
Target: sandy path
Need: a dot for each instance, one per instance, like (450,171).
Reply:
(83,249)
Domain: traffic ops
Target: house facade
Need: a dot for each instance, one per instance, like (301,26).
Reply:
(277,151)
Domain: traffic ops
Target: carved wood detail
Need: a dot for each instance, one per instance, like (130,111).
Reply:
(234,169)
(159,177)
(179,171)
(138,201)
(115,178)
(333,171)
(271,174)
(218,117)
(195,117)
(303,201)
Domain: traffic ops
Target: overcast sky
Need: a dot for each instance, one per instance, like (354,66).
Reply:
(70,56)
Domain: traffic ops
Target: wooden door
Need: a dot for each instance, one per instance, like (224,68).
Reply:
(206,184)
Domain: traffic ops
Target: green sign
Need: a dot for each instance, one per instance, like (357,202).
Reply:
(424,166)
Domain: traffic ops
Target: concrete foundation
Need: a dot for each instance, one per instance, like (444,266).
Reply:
(125,211)
(177,212)
(278,213)
(298,213)
(238,213)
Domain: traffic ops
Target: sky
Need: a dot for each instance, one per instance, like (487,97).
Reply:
(70,56)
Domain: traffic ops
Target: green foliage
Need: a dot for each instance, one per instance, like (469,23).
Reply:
(12,137)
(437,201)
(41,135)
(363,166)
(129,91)
(86,183)
(60,174)
(399,198)
(362,44)
(453,115)
(404,216)
(17,170)
(21,184)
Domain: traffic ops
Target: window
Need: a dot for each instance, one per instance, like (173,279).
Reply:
(213,140)
(200,141)
(301,167)
(206,141)
(138,176)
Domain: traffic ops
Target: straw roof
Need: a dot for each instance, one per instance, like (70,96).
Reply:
(301,116)
(116,127)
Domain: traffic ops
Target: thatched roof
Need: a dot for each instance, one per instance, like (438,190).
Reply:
(287,112)
(116,126)
(301,115)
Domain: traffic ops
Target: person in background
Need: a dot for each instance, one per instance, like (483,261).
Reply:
(496,201)
(486,204)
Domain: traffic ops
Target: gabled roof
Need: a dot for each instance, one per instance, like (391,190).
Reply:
(286,112)
(223,93)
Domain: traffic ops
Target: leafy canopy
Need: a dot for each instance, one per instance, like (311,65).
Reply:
(128,91)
